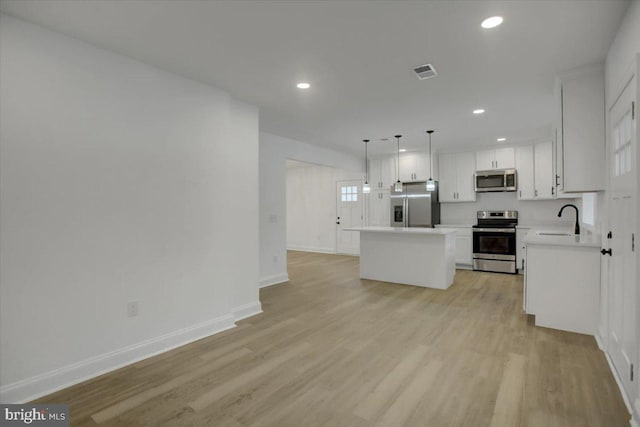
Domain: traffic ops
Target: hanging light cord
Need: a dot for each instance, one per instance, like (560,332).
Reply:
(398,159)
(366,162)
(430,157)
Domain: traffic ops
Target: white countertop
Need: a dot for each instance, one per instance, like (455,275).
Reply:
(454,225)
(583,240)
(545,227)
(400,230)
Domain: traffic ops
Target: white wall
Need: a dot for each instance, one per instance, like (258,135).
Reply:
(115,187)
(274,151)
(623,55)
(311,206)
(530,212)
(620,56)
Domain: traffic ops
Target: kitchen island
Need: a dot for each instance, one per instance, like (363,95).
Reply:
(410,256)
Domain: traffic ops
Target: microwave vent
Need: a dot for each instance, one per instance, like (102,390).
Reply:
(425,71)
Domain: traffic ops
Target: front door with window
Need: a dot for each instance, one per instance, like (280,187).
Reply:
(623,219)
(349,214)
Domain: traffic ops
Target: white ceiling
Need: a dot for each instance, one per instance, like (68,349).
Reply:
(358,56)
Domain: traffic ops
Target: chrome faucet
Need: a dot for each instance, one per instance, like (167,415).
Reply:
(577,229)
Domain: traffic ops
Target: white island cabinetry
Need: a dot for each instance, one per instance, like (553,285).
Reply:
(411,256)
(464,245)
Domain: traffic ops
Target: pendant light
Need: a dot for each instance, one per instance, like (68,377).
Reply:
(366,188)
(431,184)
(398,185)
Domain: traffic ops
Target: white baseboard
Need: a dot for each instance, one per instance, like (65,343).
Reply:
(247,310)
(311,249)
(49,382)
(600,341)
(273,280)
(618,381)
(635,416)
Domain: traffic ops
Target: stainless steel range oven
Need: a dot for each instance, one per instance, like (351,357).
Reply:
(494,241)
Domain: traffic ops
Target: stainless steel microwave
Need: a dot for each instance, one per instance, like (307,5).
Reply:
(496,180)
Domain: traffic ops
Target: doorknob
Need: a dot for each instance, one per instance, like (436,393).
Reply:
(606,251)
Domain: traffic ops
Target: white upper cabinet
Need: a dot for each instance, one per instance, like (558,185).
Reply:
(580,131)
(525,172)
(534,165)
(543,163)
(447,177)
(382,172)
(456,174)
(378,207)
(414,167)
(505,158)
(501,158)
(465,176)
(485,160)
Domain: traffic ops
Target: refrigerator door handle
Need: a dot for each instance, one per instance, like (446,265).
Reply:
(406,212)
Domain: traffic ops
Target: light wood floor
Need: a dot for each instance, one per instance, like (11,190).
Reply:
(333,350)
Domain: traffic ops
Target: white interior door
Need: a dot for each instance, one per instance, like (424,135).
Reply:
(623,344)
(349,214)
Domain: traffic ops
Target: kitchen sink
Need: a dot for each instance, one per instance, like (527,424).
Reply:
(553,233)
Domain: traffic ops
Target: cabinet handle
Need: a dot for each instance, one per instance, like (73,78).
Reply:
(520,193)
(553,191)
(496,164)
(536,193)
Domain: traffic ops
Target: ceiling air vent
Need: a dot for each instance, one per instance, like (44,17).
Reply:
(425,71)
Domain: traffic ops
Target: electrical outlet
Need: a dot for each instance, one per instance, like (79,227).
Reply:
(132,308)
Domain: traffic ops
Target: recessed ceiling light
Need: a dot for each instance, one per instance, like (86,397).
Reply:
(492,22)
(501,139)
(478,111)
(303,85)
(402,150)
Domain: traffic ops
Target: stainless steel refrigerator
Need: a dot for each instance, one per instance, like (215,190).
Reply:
(415,206)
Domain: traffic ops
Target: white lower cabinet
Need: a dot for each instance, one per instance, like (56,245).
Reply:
(521,254)
(562,286)
(464,245)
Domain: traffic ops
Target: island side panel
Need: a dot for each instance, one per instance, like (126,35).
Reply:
(426,260)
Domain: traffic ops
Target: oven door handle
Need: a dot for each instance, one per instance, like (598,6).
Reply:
(497,230)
